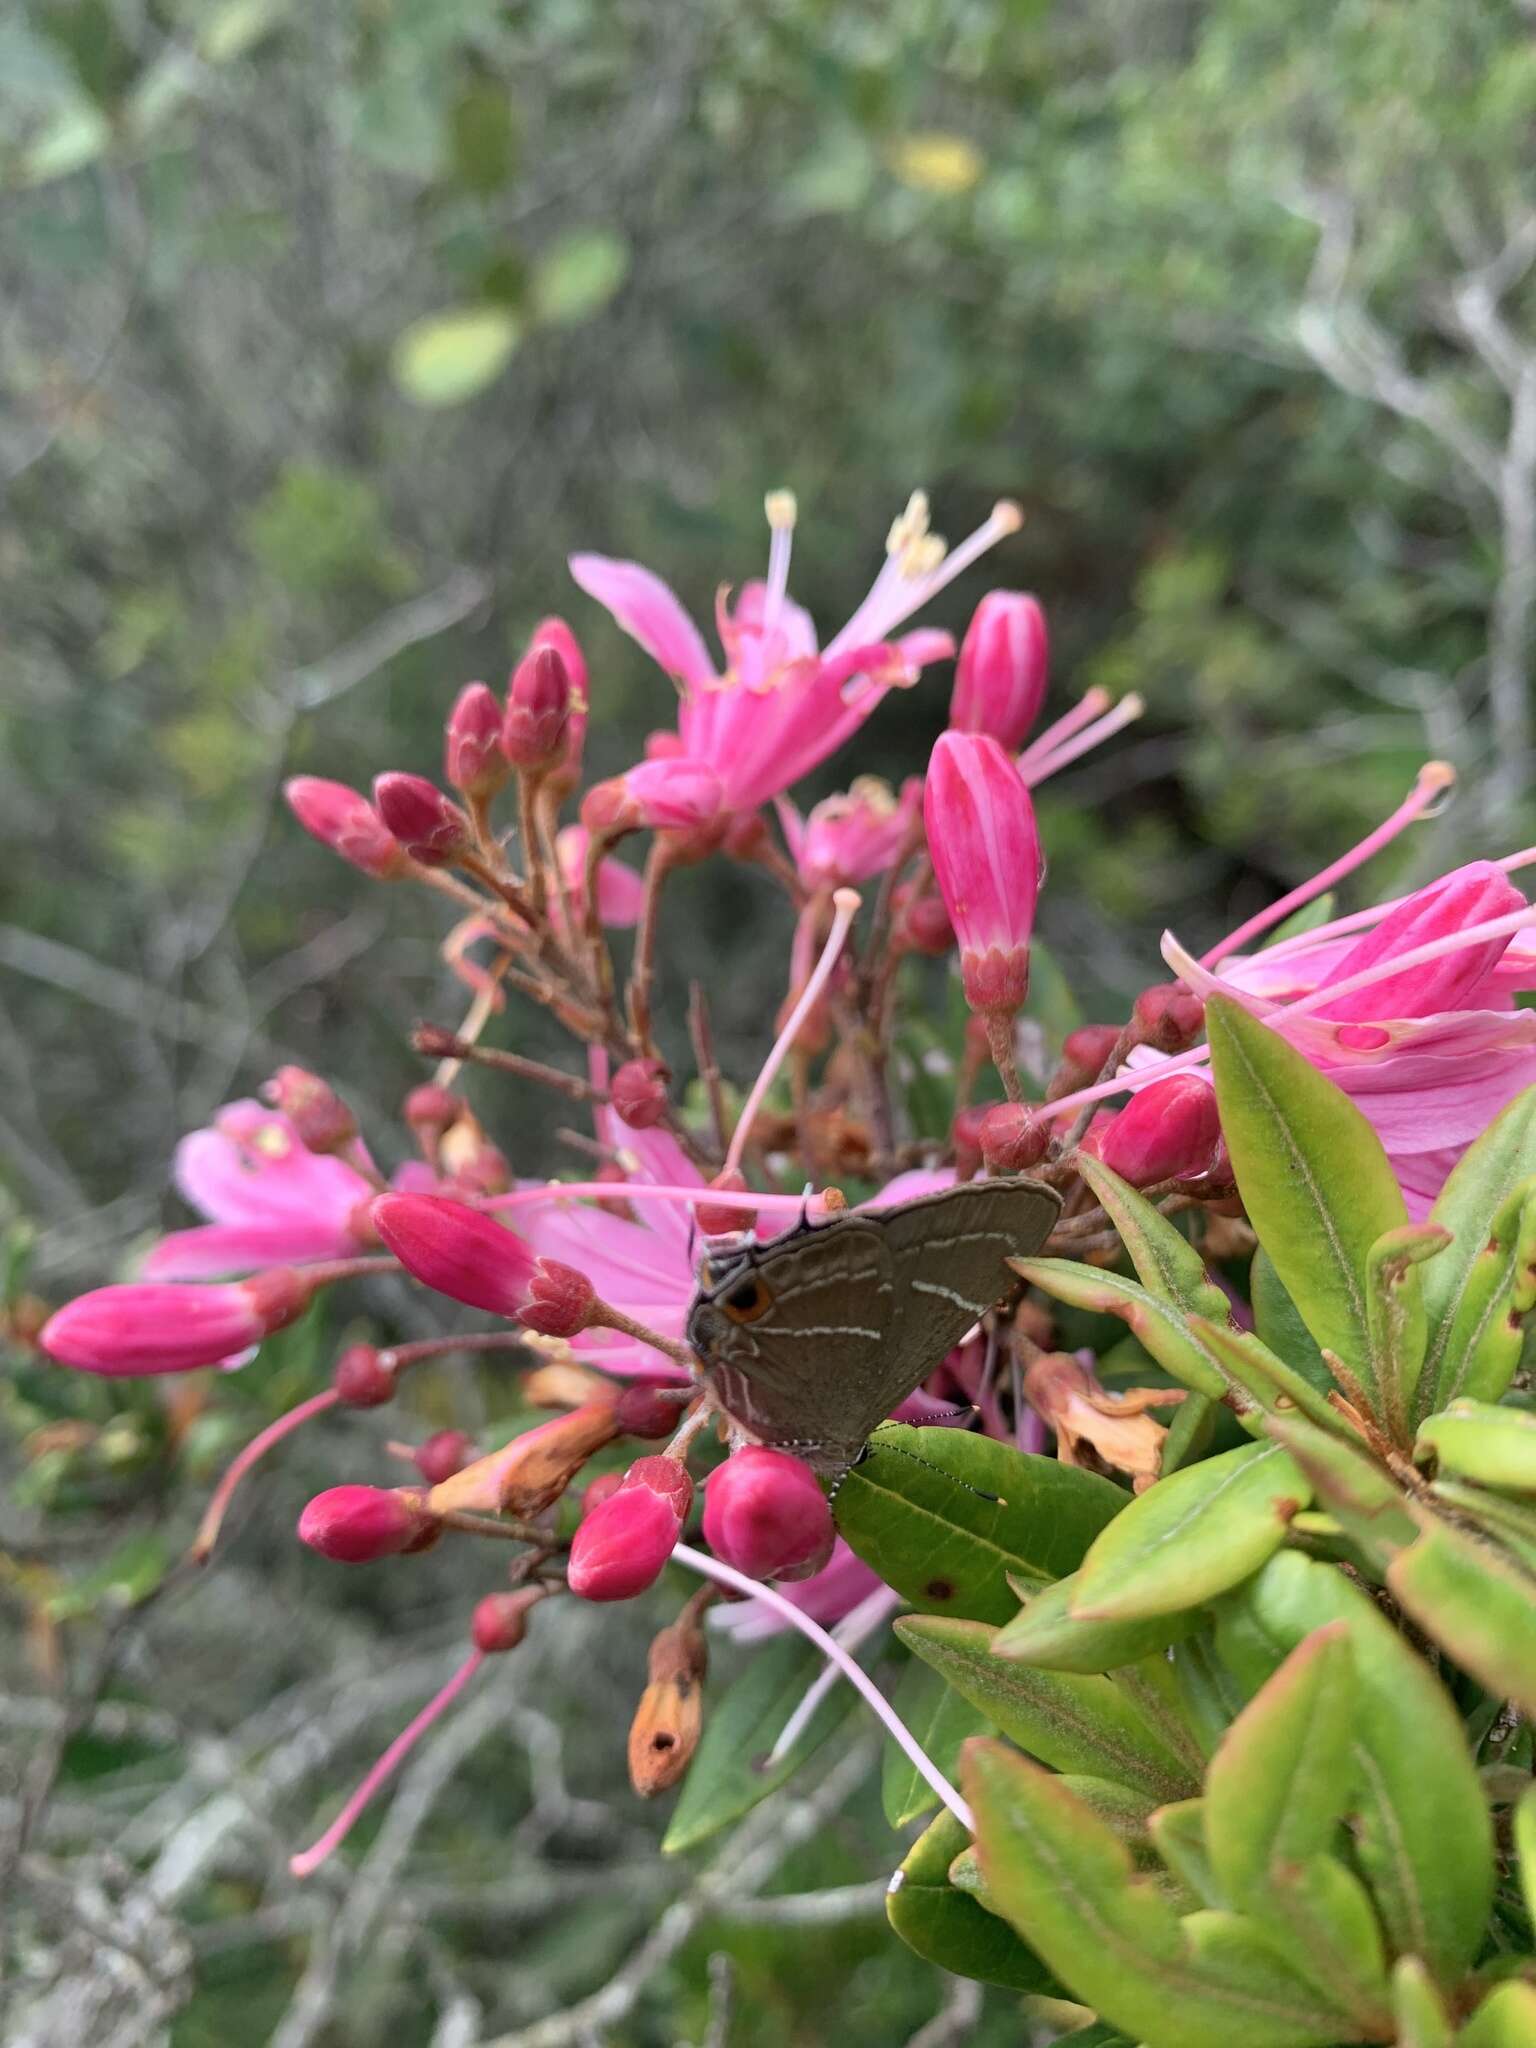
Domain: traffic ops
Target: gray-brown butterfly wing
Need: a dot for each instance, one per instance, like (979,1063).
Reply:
(792,1374)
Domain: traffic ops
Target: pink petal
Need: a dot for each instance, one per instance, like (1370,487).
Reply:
(647,610)
(219,1251)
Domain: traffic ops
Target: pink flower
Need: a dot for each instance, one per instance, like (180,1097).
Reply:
(347,823)
(620,891)
(1000,675)
(270,1200)
(782,705)
(149,1328)
(765,1513)
(667,794)
(826,1597)
(986,855)
(847,839)
(623,1545)
(470,1257)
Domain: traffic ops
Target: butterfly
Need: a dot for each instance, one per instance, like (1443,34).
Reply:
(809,1341)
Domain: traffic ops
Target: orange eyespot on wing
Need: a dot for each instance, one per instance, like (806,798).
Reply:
(747,1301)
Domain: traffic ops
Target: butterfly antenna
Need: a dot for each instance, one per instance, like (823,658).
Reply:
(916,1458)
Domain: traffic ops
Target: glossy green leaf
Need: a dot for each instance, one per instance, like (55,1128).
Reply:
(1178,1835)
(1069,1886)
(450,357)
(1473,1601)
(1069,1720)
(578,275)
(947,1927)
(1512,1523)
(1479,1440)
(941,1719)
(1505,2019)
(1314,1178)
(1478,1188)
(1417,2007)
(1047,1633)
(1277,1323)
(1192,1535)
(1270,1381)
(1424,1839)
(1480,1339)
(1361,1495)
(1160,1329)
(1210,1696)
(1395,1316)
(1166,1263)
(1525,1847)
(948,1522)
(1319,911)
(1191,1431)
(730,1772)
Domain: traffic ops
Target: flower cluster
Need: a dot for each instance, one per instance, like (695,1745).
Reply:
(1409,1005)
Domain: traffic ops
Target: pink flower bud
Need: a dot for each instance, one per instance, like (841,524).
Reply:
(986,855)
(716,1219)
(538,705)
(647,1411)
(500,1620)
(359,1524)
(1474,894)
(361,1378)
(602,1488)
(920,922)
(555,633)
(1166,1131)
(430,1111)
(965,1136)
(472,758)
(464,1254)
(638,1092)
(1000,675)
(664,795)
(348,824)
(1013,1138)
(445,1452)
(431,828)
(154,1327)
(319,1116)
(1085,1050)
(764,1513)
(621,1547)
(1169,1016)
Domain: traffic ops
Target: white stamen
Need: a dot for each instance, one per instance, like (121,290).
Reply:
(781,510)
(856,1626)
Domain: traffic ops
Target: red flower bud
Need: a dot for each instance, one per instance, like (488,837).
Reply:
(155,1326)
(602,1488)
(359,1524)
(555,633)
(430,1111)
(431,828)
(1169,1016)
(1000,674)
(638,1092)
(464,1254)
(716,1219)
(361,1378)
(319,1116)
(621,1547)
(538,705)
(348,824)
(986,855)
(647,1411)
(1013,1138)
(965,1136)
(443,1454)
(472,758)
(765,1512)
(1168,1130)
(500,1620)
(920,922)
(1085,1050)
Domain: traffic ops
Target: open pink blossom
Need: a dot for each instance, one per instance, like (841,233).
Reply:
(782,704)
(270,1201)
(847,839)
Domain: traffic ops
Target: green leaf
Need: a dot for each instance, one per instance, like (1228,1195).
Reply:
(1395,1314)
(947,1927)
(1166,1263)
(450,357)
(578,275)
(1069,1720)
(1190,1433)
(1525,1847)
(1068,1885)
(1480,1184)
(1474,1602)
(1365,1500)
(1417,2007)
(941,1719)
(1318,912)
(946,1523)
(1475,1349)
(1511,1522)
(1479,1440)
(130,1574)
(1191,1536)
(1160,1329)
(728,1776)
(1274,1384)
(1505,2019)
(1277,1323)
(1209,1695)
(1047,1633)
(1312,1173)
(1178,1835)
(1424,1839)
